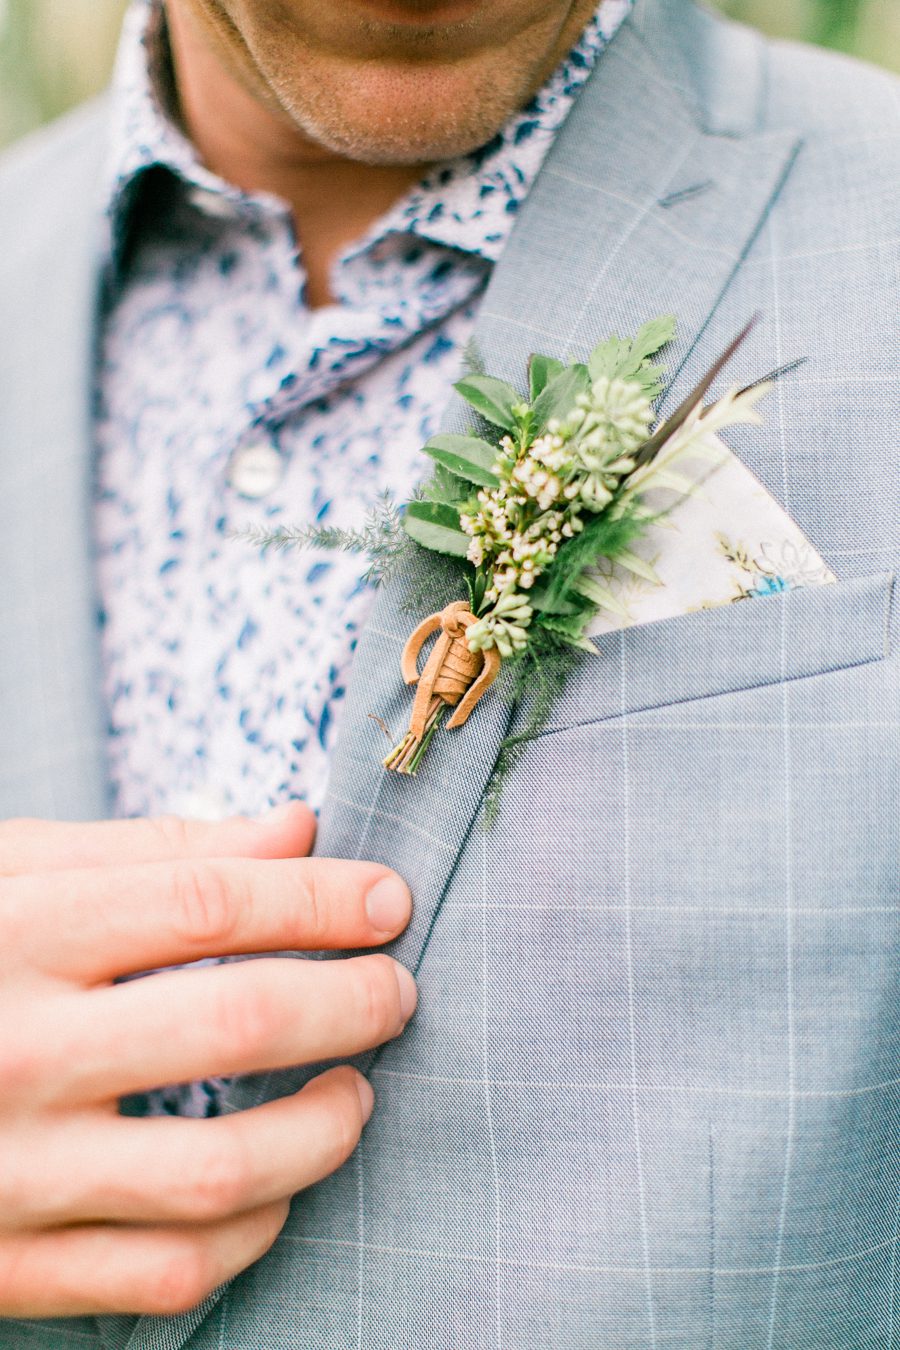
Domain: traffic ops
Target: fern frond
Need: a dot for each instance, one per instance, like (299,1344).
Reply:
(382,538)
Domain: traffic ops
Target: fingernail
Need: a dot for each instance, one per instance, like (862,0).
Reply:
(409,994)
(388,905)
(366,1096)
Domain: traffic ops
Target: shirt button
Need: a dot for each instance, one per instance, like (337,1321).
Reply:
(213,203)
(256,470)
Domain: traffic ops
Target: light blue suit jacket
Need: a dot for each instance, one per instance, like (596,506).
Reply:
(652,1093)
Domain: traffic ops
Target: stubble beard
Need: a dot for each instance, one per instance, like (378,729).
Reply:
(410,136)
(410,112)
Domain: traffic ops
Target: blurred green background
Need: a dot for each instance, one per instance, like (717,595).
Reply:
(53,53)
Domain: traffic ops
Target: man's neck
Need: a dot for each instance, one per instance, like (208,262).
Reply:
(334,200)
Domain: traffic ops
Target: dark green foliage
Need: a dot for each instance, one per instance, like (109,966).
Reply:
(435,526)
(567,627)
(559,395)
(430,581)
(493,399)
(444,486)
(837,23)
(541,370)
(465,456)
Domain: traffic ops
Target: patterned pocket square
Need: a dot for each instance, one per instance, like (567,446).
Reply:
(728,540)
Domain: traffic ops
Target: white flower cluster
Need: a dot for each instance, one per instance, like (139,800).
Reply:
(576,465)
(606,427)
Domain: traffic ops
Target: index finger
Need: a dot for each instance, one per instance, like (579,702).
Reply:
(55,845)
(94,925)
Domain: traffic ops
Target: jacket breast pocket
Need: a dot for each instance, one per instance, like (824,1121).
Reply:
(737,647)
(672,964)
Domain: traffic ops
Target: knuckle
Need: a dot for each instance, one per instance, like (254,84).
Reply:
(24,1198)
(173,835)
(244,1019)
(223,1182)
(205,906)
(23,1071)
(23,942)
(15,911)
(379,996)
(13,827)
(316,903)
(180,1278)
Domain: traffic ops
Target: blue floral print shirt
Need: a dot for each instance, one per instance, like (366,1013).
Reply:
(224,401)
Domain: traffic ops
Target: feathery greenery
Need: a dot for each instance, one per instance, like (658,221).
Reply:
(382,539)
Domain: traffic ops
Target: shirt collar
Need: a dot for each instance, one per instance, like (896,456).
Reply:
(468,204)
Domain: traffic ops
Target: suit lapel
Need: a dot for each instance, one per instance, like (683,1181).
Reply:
(51,763)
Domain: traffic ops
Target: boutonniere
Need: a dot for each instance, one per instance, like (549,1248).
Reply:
(524,507)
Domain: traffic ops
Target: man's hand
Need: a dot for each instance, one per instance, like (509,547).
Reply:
(103,1213)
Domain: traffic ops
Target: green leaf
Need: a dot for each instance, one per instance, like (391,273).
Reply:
(545,598)
(541,370)
(629,359)
(570,628)
(466,457)
(600,595)
(444,486)
(655,335)
(472,360)
(492,398)
(558,398)
(436,526)
(607,357)
(638,566)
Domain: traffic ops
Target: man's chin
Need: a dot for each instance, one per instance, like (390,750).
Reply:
(403,145)
(404,121)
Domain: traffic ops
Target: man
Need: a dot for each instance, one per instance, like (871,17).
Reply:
(649,1094)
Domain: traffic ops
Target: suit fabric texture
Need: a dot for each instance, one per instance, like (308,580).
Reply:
(650,1097)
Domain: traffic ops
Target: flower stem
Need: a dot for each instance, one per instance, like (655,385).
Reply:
(407,756)
(426,739)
